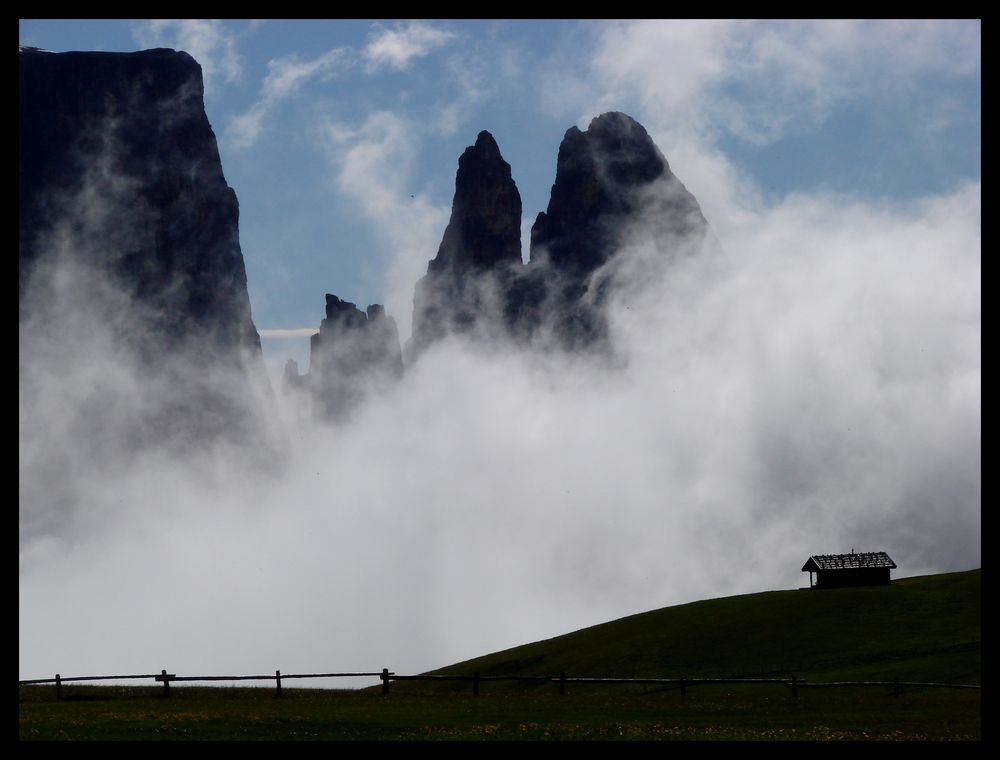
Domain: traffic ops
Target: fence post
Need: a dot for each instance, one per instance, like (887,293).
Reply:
(683,688)
(795,687)
(475,684)
(385,680)
(895,687)
(58,687)
(562,684)
(166,683)
(277,678)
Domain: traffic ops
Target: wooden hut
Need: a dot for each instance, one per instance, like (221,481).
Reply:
(839,570)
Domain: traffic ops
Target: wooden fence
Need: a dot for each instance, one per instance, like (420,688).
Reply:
(386,676)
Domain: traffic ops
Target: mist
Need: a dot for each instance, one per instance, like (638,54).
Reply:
(814,386)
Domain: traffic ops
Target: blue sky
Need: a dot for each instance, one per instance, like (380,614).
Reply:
(341,137)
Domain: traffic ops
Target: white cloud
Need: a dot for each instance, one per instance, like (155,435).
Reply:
(206,40)
(756,80)
(399,46)
(798,72)
(668,62)
(476,76)
(285,78)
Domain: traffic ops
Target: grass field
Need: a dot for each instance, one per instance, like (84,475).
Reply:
(919,629)
(609,713)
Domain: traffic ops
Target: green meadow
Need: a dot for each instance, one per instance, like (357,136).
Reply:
(923,630)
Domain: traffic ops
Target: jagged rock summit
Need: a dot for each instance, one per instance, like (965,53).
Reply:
(355,353)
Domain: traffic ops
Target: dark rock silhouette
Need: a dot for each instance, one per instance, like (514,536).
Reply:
(354,354)
(605,178)
(479,255)
(127,226)
(613,190)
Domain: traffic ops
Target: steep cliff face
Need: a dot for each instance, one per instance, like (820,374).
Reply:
(479,253)
(119,168)
(132,281)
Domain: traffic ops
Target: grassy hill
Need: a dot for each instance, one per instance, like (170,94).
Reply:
(923,629)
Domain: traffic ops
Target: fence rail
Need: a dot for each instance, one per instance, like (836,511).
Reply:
(386,676)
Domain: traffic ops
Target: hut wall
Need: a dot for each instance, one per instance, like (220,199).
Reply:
(862,576)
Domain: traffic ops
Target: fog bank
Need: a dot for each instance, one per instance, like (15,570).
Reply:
(816,389)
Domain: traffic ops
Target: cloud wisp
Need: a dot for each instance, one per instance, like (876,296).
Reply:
(757,82)
(399,46)
(285,78)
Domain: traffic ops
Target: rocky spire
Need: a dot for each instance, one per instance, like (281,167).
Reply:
(480,249)
(613,190)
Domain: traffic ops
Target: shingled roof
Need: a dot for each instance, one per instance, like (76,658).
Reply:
(847,561)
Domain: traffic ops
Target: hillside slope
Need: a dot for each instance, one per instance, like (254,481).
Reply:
(924,628)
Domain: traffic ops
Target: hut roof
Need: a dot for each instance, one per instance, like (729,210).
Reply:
(850,561)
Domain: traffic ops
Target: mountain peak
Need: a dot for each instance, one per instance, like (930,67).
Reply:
(486,142)
(602,178)
(614,120)
(482,240)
